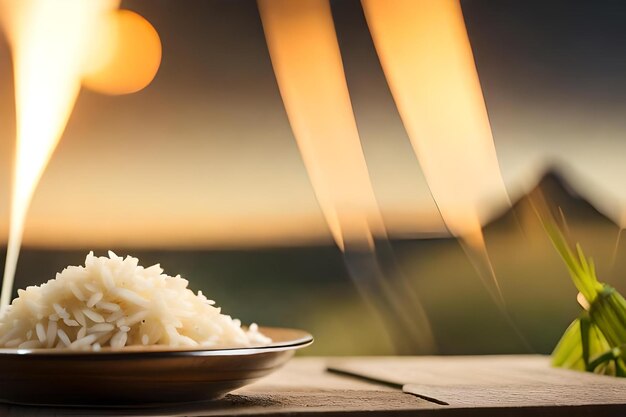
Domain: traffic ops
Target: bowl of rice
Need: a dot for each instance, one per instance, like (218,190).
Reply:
(112,332)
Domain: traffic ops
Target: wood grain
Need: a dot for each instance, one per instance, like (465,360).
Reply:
(485,386)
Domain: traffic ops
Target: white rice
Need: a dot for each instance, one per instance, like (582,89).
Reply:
(112,302)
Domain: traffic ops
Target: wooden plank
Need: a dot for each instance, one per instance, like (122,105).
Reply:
(474,370)
(486,386)
(491,381)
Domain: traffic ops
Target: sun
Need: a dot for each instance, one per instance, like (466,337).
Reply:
(125,55)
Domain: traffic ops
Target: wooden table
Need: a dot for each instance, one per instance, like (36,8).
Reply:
(433,386)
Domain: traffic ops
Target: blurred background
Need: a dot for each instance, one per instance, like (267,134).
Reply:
(200,171)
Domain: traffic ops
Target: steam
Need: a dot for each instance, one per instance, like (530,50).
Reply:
(308,67)
(306,59)
(427,59)
(51,45)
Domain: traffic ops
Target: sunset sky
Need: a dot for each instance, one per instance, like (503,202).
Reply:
(205,155)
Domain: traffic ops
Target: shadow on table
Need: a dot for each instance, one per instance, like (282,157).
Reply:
(228,403)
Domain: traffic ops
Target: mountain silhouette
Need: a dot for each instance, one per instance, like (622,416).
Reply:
(564,200)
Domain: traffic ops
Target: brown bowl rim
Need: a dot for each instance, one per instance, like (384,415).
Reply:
(300,340)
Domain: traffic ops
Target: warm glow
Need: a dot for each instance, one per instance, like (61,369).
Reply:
(307,62)
(50,43)
(425,53)
(126,55)
(306,59)
(427,59)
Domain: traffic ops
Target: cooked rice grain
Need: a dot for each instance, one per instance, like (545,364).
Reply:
(113,302)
